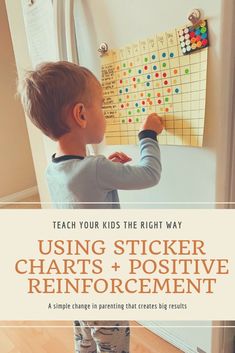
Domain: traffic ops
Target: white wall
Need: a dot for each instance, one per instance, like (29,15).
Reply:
(23,62)
(17,170)
(189,174)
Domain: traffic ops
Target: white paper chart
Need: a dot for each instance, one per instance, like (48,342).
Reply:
(39,27)
(165,74)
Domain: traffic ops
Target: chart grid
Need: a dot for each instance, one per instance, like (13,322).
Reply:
(154,75)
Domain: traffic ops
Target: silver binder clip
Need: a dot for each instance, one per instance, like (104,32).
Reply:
(103,48)
(195,17)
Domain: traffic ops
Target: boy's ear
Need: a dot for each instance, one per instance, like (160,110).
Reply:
(79,114)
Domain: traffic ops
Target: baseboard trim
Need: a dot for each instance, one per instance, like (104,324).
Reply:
(19,196)
(168,336)
(177,339)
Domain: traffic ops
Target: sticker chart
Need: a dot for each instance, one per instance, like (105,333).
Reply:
(165,74)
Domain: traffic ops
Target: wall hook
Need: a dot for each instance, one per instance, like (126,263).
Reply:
(194,16)
(103,48)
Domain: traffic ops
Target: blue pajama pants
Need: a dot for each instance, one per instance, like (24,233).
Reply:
(101,336)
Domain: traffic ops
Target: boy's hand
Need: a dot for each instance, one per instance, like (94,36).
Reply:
(153,122)
(119,157)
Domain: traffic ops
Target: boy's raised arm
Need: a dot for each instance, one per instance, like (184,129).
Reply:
(146,173)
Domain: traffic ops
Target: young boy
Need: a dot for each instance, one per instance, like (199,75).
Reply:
(65,102)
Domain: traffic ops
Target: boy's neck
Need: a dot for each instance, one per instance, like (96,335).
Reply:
(67,145)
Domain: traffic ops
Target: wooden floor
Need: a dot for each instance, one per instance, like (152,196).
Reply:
(30,202)
(59,338)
